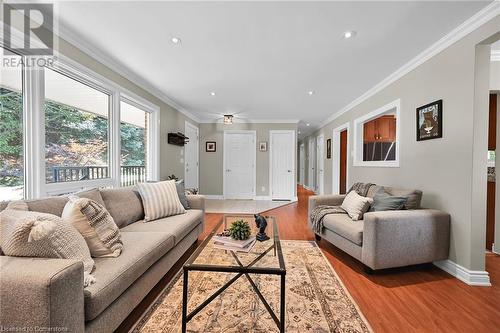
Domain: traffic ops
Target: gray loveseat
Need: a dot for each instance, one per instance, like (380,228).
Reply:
(387,239)
(37,293)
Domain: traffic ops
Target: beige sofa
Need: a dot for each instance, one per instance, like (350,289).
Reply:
(387,239)
(38,293)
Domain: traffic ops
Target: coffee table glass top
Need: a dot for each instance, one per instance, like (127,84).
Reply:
(264,257)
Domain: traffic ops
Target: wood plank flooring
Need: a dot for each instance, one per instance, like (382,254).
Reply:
(415,299)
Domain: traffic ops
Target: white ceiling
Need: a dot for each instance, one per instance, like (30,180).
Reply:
(261,58)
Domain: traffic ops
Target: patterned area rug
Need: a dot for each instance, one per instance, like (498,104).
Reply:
(316,299)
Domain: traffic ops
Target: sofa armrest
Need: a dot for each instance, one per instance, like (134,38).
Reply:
(196,201)
(329,200)
(405,237)
(39,293)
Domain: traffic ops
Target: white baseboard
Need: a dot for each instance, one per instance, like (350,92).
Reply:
(494,250)
(263,197)
(473,278)
(211,196)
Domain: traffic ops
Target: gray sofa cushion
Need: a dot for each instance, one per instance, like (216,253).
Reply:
(178,225)
(342,225)
(115,275)
(414,196)
(384,201)
(124,204)
(55,205)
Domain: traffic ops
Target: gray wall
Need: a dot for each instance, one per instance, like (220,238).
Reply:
(442,168)
(495,76)
(211,164)
(171,120)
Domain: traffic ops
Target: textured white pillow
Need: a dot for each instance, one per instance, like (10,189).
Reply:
(356,205)
(160,200)
(33,234)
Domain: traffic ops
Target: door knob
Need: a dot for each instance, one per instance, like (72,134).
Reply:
(228,170)
(289,170)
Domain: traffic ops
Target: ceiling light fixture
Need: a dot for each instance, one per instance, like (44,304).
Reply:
(228,119)
(310,92)
(308,124)
(212,93)
(349,34)
(176,40)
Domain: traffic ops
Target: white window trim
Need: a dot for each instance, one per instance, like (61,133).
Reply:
(359,132)
(35,185)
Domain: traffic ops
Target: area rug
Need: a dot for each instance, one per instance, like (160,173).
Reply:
(316,299)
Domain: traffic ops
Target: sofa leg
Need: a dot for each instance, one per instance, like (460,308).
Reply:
(317,237)
(368,270)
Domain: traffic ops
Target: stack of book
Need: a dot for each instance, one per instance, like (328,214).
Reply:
(230,244)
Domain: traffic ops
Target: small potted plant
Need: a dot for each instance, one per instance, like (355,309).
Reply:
(240,230)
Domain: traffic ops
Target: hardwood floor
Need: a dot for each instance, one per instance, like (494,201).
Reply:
(414,299)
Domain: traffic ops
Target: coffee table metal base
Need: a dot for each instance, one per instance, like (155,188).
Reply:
(240,270)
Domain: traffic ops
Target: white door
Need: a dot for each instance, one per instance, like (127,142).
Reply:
(311,160)
(282,163)
(320,164)
(239,164)
(191,152)
(302,164)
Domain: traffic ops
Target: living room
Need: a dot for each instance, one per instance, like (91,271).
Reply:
(249,166)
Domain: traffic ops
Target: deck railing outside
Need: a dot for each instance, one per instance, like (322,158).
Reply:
(130,174)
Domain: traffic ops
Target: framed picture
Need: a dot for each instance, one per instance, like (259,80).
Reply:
(328,148)
(210,146)
(430,121)
(263,146)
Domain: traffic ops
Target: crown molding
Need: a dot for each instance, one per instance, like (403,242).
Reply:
(484,15)
(495,55)
(77,41)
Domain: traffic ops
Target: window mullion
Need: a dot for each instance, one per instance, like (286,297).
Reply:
(115,139)
(34,132)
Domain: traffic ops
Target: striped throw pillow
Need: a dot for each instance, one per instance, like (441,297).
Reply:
(160,200)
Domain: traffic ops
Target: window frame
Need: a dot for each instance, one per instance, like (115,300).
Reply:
(359,133)
(35,185)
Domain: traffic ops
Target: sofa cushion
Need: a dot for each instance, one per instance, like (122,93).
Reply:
(124,204)
(342,225)
(414,196)
(114,275)
(356,205)
(383,201)
(178,225)
(160,200)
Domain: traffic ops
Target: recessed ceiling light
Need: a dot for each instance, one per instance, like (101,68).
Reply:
(349,34)
(310,92)
(299,132)
(212,93)
(308,124)
(176,40)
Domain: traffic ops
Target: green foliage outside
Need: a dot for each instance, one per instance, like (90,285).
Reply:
(73,138)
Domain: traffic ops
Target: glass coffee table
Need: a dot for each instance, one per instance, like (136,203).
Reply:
(265,257)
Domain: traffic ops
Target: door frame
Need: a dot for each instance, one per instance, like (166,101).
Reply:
(302,163)
(294,158)
(336,157)
(320,179)
(311,163)
(253,155)
(186,125)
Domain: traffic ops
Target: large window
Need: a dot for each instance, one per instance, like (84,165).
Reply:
(377,137)
(76,130)
(134,129)
(11,127)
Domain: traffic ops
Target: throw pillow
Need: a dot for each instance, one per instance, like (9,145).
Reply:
(160,200)
(95,224)
(355,205)
(33,234)
(384,201)
(181,192)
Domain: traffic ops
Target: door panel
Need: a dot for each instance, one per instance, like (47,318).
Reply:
(191,155)
(302,165)
(343,162)
(311,181)
(239,150)
(282,164)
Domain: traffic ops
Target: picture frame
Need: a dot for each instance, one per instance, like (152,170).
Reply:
(263,146)
(210,146)
(430,121)
(328,148)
